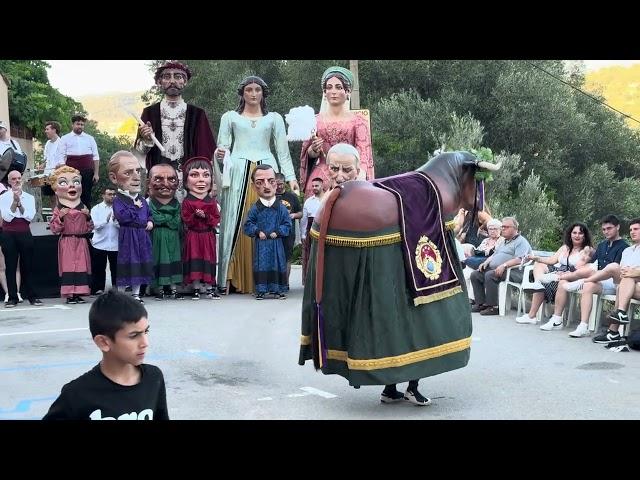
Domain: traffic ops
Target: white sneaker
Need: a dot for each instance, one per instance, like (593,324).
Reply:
(554,323)
(549,277)
(575,285)
(20,300)
(581,331)
(6,297)
(526,319)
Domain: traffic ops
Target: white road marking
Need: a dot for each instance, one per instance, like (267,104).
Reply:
(44,331)
(264,398)
(298,395)
(321,393)
(34,309)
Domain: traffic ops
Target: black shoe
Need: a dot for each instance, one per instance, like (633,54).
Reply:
(10,304)
(160,296)
(195,295)
(607,338)
(280,296)
(71,301)
(416,398)
(37,302)
(79,299)
(391,397)
(260,296)
(478,307)
(618,346)
(619,316)
(212,294)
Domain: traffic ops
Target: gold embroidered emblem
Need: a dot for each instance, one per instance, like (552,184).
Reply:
(428,258)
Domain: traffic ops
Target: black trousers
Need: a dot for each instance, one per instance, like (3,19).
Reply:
(16,245)
(99,268)
(87,185)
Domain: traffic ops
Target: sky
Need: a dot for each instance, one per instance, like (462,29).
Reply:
(77,78)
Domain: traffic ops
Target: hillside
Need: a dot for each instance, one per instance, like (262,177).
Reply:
(110,111)
(620,86)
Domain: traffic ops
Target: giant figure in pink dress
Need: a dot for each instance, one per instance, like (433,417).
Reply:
(72,221)
(335,124)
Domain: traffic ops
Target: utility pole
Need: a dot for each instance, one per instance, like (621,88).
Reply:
(355,93)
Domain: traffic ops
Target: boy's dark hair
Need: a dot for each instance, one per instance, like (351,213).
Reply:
(317,179)
(78,118)
(633,221)
(262,166)
(55,125)
(111,310)
(279,176)
(104,190)
(612,219)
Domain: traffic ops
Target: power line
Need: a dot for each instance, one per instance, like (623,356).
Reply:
(582,91)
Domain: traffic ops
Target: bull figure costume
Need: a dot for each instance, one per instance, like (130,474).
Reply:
(384,298)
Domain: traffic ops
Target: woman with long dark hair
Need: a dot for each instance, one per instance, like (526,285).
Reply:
(573,253)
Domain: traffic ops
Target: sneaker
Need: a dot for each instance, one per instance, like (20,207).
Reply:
(526,319)
(212,294)
(6,297)
(160,296)
(71,301)
(173,294)
(10,304)
(260,296)
(79,299)
(581,331)
(619,316)
(20,300)
(137,297)
(195,295)
(38,303)
(99,292)
(608,337)
(553,324)
(618,346)
(391,397)
(415,397)
(280,296)
(478,307)
(575,285)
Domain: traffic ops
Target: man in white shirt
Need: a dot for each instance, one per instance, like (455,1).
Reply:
(6,143)
(309,210)
(104,242)
(18,209)
(52,131)
(79,150)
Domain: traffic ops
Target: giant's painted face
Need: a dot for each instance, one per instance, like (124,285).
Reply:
(68,187)
(199,182)
(172,81)
(163,182)
(342,168)
(128,175)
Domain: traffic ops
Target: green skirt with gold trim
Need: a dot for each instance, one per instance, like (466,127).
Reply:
(374,335)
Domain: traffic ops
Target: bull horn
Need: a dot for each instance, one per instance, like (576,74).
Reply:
(489,166)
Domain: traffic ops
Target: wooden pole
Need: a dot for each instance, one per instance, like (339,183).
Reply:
(355,92)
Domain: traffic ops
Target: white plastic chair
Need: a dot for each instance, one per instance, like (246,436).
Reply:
(504,294)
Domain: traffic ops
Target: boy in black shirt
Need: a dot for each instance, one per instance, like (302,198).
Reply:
(120,387)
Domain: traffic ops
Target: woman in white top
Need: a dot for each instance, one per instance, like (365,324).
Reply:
(474,256)
(574,253)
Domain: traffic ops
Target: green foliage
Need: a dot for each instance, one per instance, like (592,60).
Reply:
(535,211)
(32,100)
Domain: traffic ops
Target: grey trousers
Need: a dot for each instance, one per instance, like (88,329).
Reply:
(485,285)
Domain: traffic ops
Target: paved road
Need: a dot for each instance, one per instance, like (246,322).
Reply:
(237,359)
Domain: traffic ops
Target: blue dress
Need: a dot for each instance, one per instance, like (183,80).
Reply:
(269,260)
